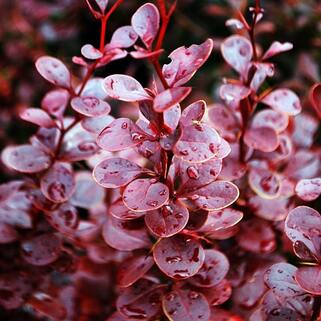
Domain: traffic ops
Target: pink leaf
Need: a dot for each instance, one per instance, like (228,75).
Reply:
(145,22)
(170,97)
(90,52)
(179,256)
(124,88)
(262,71)
(271,118)
(55,102)
(116,172)
(145,195)
(264,139)
(38,117)
(309,279)
(198,143)
(123,37)
(171,118)
(54,71)
(120,134)
(90,106)
(58,183)
(25,158)
(309,189)
(186,305)
(193,112)
(277,48)
(264,183)
(283,100)
(233,93)
(237,52)
(185,62)
(95,125)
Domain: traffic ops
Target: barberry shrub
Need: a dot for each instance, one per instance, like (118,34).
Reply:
(186,212)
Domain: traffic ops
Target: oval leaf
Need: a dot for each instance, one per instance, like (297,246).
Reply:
(309,189)
(116,172)
(284,101)
(197,143)
(215,196)
(264,139)
(124,88)
(213,271)
(186,305)
(179,257)
(237,52)
(170,97)
(145,195)
(53,70)
(185,62)
(41,250)
(145,22)
(38,117)
(58,184)
(26,158)
(168,220)
(90,106)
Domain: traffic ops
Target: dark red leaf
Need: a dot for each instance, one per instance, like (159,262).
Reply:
(145,195)
(133,269)
(186,305)
(140,301)
(41,250)
(213,271)
(118,234)
(214,196)
(179,257)
(167,220)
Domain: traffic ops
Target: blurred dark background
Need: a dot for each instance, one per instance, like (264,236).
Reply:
(31,28)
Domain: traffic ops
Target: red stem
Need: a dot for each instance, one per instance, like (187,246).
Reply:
(103,33)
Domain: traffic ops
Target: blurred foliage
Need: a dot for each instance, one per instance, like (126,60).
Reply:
(31,28)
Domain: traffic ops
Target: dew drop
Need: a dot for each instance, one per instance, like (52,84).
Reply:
(192,172)
(124,125)
(173,259)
